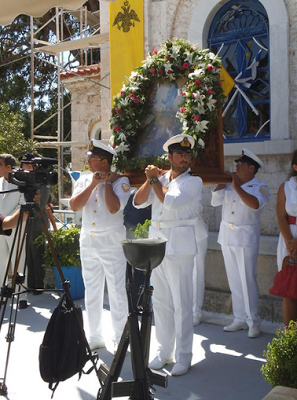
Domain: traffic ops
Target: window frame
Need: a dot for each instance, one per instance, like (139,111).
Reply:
(279,82)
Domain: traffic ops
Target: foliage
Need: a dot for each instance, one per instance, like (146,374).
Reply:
(201,96)
(66,245)
(141,163)
(12,140)
(281,355)
(142,230)
(15,67)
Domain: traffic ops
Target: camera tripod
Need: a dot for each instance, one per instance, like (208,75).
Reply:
(16,287)
(139,339)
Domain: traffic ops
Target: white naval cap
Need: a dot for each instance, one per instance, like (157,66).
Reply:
(179,142)
(249,157)
(98,147)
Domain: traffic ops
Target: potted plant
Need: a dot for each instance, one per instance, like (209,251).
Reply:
(66,245)
(281,358)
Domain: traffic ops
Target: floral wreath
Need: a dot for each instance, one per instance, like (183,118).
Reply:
(201,96)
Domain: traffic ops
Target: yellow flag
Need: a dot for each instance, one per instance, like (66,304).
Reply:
(227,81)
(126,40)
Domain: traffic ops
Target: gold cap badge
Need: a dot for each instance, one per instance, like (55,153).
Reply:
(185,143)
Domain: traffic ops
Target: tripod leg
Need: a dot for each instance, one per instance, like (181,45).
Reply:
(7,291)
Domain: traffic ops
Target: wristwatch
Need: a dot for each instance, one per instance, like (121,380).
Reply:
(153,180)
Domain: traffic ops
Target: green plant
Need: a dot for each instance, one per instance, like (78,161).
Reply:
(281,356)
(142,230)
(66,245)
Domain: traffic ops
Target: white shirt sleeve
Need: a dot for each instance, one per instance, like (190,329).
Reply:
(121,188)
(217,197)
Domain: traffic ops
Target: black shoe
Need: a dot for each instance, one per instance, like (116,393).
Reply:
(23,304)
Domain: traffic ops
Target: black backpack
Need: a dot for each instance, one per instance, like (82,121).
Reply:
(64,350)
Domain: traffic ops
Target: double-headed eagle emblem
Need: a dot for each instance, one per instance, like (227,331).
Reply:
(126,20)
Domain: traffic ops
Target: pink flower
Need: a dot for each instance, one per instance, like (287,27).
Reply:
(113,146)
(209,68)
(219,83)
(118,110)
(182,93)
(155,51)
(122,92)
(186,65)
(136,100)
(197,82)
(170,71)
(160,71)
(210,91)
(182,109)
(168,58)
(153,70)
(181,67)
(132,95)
(117,128)
(196,118)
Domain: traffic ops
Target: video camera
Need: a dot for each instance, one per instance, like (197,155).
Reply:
(28,182)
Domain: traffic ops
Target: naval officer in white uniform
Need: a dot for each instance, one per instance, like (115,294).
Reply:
(175,198)
(102,196)
(242,202)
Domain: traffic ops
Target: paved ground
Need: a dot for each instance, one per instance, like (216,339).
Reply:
(226,366)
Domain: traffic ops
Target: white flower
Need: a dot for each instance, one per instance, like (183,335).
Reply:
(122,147)
(111,140)
(122,137)
(201,126)
(133,75)
(167,67)
(211,103)
(212,56)
(200,108)
(201,143)
(197,73)
(124,102)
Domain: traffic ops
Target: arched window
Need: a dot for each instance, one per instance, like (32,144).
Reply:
(239,32)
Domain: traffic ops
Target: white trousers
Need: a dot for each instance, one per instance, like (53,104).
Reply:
(241,268)
(102,257)
(172,303)
(199,277)
(5,250)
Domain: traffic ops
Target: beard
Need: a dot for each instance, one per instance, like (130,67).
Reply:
(180,167)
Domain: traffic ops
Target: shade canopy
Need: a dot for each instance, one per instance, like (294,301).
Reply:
(35,8)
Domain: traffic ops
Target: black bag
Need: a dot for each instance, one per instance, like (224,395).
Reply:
(63,351)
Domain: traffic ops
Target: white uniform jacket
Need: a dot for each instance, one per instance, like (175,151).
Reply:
(96,218)
(178,218)
(240,223)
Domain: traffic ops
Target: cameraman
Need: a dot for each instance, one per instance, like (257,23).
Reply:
(34,253)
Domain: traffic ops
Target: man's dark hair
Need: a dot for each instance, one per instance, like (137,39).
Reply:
(8,159)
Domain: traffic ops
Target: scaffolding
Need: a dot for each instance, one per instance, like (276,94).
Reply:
(88,40)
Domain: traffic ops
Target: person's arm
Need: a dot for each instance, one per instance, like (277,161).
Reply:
(111,199)
(282,218)
(10,222)
(78,201)
(247,198)
(143,192)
